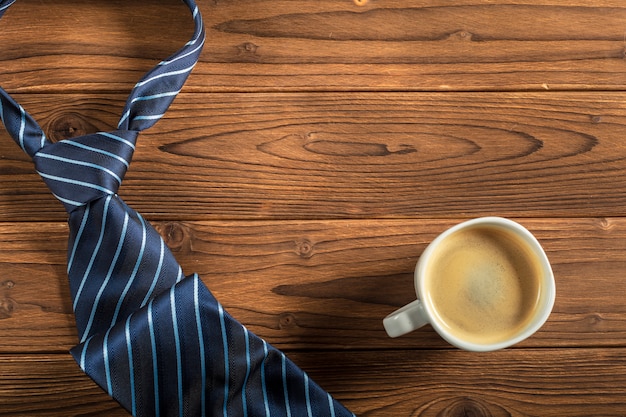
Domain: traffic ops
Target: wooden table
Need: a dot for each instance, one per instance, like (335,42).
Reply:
(318,147)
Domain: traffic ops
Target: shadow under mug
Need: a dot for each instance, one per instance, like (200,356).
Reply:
(483,285)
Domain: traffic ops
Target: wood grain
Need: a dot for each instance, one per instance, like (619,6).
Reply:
(315,151)
(329,45)
(357,155)
(318,284)
(50,385)
(408,383)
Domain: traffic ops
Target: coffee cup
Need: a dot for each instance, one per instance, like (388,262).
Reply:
(483,285)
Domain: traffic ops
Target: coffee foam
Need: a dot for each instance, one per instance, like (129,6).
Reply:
(484,284)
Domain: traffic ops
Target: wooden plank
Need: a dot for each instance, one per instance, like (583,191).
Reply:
(552,382)
(50,385)
(318,284)
(545,382)
(316,150)
(357,155)
(266,45)
(73,44)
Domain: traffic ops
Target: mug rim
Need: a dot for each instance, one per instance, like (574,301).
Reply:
(548,282)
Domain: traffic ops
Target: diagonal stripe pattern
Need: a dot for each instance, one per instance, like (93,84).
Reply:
(154,339)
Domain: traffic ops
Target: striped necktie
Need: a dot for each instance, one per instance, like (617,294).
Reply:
(154,339)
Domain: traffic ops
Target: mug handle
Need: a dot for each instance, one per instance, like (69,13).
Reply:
(406,319)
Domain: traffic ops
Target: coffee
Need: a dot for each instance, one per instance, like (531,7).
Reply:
(484,284)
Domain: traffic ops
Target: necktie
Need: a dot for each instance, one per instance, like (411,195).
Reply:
(156,340)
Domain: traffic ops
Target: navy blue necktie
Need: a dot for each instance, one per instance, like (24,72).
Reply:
(156,340)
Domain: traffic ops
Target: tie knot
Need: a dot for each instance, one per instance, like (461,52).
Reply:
(80,170)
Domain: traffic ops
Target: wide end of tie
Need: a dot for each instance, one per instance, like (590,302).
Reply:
(182,354)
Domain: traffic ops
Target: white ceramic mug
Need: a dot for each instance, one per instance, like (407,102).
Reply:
(484,284)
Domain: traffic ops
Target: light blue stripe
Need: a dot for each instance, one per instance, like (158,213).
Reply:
(149,117)
(331,405)
(95,251)
(22,126)
(81,163)
(81,229)
(165,74)
(226,364)
(92,149)
(75,182)
(43,140)
(307,395)
(135,270)
(197,35)
(131,369)
(155,96)
(179,359)
(263,384)
(193,51)
(245,380)
(201,344)
(7,6)
(83,355)
(155,279)
(68,201)
(124,117)
(285,391)
(104,284)
(180,275)
(117,138)
(105,358)
(155,368)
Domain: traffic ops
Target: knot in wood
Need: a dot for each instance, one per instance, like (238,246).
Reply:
(6,308)
(250,47)
(174,234)
(8,284)
(605,224)
(304,248)
(462,35)
(466,407)
(594,320)
(248,50)
(69,125)
(286,321)
(596,119)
